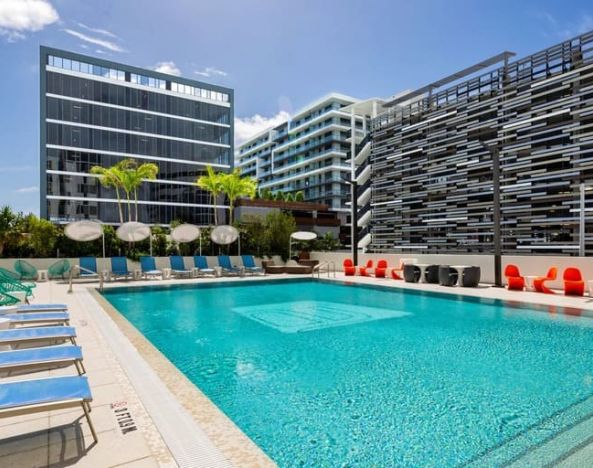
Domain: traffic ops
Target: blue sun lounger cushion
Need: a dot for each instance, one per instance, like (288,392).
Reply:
(224,261)
(249,264)
(201,263)
(38,317)
(148,266)
(26,335)
(49,356)
(33,396)
(177,266)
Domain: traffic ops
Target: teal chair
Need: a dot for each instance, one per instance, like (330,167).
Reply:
(25,270)
(59,269)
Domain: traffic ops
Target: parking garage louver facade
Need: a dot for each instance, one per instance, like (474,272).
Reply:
(96,113)
(432,158)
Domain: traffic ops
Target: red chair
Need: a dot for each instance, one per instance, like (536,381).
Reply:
(514,279)
(396,272)
(573,282)
(363,270)
(349,268)
(381,269)
(538,283)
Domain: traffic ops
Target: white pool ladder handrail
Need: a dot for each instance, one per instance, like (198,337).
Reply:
(330,267)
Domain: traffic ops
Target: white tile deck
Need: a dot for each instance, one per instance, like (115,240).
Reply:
(177,425)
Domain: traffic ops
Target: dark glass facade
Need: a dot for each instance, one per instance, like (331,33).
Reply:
(96,113)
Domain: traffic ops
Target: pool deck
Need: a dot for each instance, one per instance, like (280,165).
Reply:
(173,423)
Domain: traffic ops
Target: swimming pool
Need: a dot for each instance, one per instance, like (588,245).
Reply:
(325,374)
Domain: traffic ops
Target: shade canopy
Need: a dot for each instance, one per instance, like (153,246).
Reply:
(84,231)
(304,235)
(224,235)
(133,231)
(185,233)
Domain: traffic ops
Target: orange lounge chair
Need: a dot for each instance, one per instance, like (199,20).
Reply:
(573,282)
(363,270)
(381,269)
(514,279)
(349,268)
(538,283)
(397,272)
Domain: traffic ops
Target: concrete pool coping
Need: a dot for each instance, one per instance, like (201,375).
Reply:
(220,441)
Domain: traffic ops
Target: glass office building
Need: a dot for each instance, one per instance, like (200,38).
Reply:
(97,113)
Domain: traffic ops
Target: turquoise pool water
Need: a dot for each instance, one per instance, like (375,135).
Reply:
(321,374)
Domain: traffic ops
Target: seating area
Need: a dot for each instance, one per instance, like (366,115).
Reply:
(36,338)
(572,281)
(410,271)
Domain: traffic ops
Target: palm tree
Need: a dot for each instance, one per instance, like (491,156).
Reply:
(235,186)
(138,174)
(128,176)
(133,175)
(211,183)
(111,177)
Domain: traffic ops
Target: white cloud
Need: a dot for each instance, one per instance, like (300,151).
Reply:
(104,32)
(20,16)
(167,67)
(110,45)
(31,189)
(246,127)
(566,30)
(210,71)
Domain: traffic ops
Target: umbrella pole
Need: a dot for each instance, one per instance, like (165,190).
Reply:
(200,244)
(150,242)
(103,236)
(239,244)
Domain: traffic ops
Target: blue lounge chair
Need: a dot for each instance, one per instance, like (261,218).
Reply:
(178,267)
(36,318)
(250,266)
(224,261)
(32,396)
(23,308)
(17,336)
(42,358)
(119,268)
(201,263)
(88,267)
(148,266)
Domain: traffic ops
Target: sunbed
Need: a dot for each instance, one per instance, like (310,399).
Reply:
(87,267)
(178,267)
(119,268)
(224,261)
(31,396)
(148,266)
(42,358)
(201,264)
(36,318)
(23,308)
(18,336)
(250,266)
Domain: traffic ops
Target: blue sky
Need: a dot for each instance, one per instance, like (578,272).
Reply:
(278,55)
